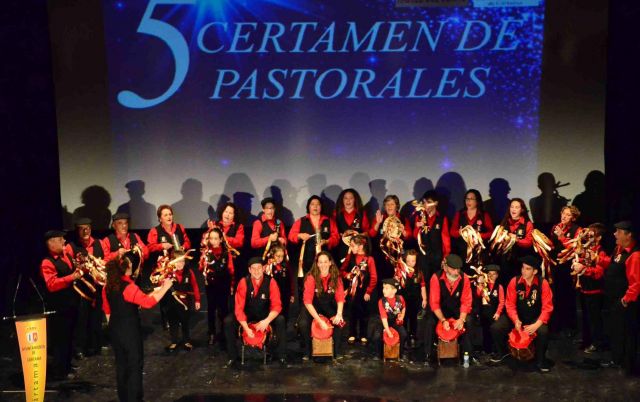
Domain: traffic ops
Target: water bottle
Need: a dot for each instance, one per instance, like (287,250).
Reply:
(465,362)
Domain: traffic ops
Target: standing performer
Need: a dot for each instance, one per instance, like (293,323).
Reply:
(516,221)
(350,219)
(121,243)
(268,231)
(590,272)
(323,295)
(59,275)
(386,263)
(471,215)
(449,297)
(564,294)
(278,269)
(257,301)
(121,301)
(414,291)
(232,230)
(359,272)
(313,233)
(216,265)
(89,327)
(432,232)
(621,289)
(184,296)
(529,306)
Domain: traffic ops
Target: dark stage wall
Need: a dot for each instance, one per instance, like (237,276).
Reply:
(31,199)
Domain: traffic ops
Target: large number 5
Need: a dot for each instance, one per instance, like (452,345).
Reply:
(178,46)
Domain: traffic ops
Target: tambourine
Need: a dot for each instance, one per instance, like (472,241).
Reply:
(259,337)
(317,332)
(451,334)
(521,345)
(391,341)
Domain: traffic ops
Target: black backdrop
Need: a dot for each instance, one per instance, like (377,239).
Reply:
(29,162)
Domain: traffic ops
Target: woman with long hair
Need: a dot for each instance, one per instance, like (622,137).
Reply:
(122,299)
(323,295)
(472,215)
(516,220)
(349,217)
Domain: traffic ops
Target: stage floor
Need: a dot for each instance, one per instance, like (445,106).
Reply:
(199,376)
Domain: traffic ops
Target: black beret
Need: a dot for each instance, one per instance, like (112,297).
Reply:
(453,261)
(532,261)
(255,260)
(625,225)
(391,281)
(120,215)
(492,267)
(82,221)
(50,234)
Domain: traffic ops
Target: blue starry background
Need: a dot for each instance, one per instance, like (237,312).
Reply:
(395,139)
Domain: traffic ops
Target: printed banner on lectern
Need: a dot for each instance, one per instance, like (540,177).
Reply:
(32,339)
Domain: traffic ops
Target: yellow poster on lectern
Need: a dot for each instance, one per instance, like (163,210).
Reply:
(32,339)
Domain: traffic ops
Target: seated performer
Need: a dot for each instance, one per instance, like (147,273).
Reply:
(392,309)
(121,301)
(449,297)
(323,295)
(59,275)
(529,306)
(257,300)
(359,272)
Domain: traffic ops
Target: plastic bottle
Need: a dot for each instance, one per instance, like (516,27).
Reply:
(465,362)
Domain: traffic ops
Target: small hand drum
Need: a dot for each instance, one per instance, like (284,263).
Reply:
(521,345)
(259,337)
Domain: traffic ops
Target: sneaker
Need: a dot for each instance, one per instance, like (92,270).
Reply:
(363,341)
(231,364)
(543,368)
(305,358)
(591,349)
(171,348)
(187,346)
(351,340)
(497,358)
(212,339)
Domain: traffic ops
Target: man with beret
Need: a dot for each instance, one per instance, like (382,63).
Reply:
(59,274)
(621,289)
(529,306)
(121,241)
(257,300)
(89,327)
(449,297)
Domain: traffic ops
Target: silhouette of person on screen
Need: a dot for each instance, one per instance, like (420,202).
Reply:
(141,213)
(95,206)
(590,202)
(191,210)
(545,208)
(498,204)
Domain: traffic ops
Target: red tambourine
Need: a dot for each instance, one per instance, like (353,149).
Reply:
(317,332)
(258,339)
(388,340)
(448,335)
(520,339)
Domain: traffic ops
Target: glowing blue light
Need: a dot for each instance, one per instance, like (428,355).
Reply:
(224,162)
(119,5)
(372,59)
(446,164)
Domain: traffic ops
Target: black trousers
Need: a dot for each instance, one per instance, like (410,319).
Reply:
(376,334)
(411,316)
(304,325)
(128,351)
(62,325)
(493,340)
(178,317)
(278,326)
(592,327)
(503,328)
(88,331)
(430,332)
(360,311)
(622,329)
(564,299)
(218,294)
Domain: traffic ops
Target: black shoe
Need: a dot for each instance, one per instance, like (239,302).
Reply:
(79,356)
(74,367)
(610,364)
(375,358)
(543,367)
(497,358)
(283,363)
(427,361)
